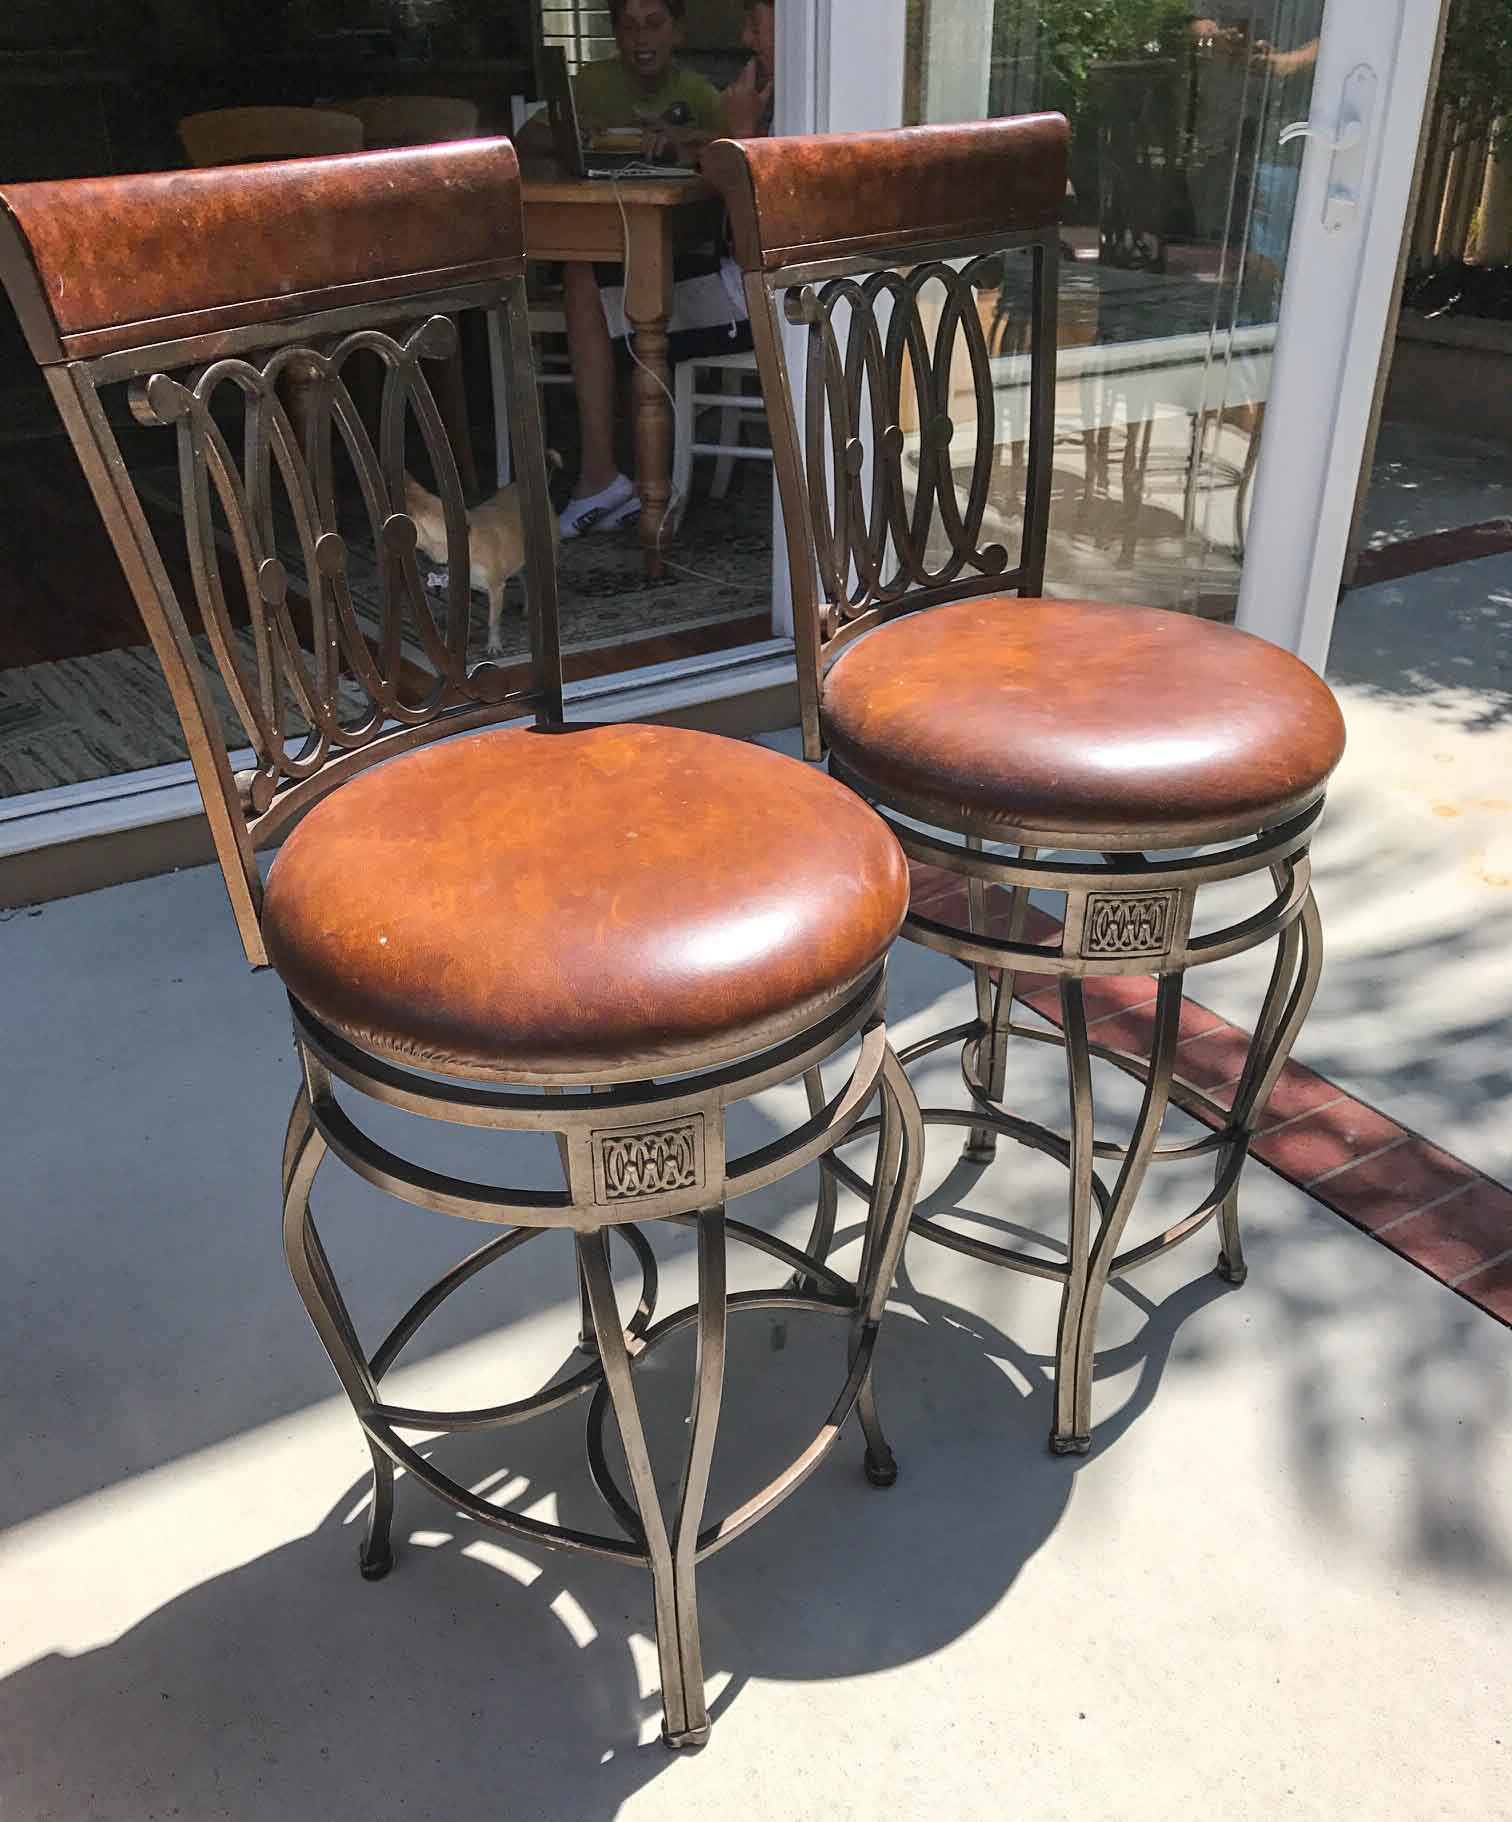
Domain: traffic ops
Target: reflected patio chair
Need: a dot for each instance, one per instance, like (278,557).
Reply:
(412,120)
(1139,111)
(222,136)
(605,935)
(253,135)
(1120,760)
(390,121)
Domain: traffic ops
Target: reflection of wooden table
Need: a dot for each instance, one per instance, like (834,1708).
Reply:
(572,219)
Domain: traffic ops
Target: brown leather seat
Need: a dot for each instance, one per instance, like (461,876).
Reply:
(596,901)
(1080,722)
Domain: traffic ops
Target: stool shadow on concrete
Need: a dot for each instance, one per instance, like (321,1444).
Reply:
(289,1687)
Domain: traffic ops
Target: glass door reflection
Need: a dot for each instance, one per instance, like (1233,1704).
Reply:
(1178,217)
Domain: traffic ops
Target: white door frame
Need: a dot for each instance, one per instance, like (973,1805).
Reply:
(839,70)
(1336,308)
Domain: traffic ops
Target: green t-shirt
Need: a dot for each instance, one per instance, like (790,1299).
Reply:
(608,96)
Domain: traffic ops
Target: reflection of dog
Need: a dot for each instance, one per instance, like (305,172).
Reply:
(495,540)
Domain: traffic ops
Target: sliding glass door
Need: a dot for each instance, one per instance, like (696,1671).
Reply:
(1239,183)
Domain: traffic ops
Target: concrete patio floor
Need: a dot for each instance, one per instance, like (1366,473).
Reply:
(1281,1584)
(1413,865)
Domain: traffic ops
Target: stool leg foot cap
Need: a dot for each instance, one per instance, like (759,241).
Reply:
(979,1151)
(1231,1274)
(690,1737)
(376,1567)
(881,1470)
(1069,1445)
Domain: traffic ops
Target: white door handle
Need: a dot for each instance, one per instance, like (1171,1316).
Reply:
(1345,140)
(1348,141)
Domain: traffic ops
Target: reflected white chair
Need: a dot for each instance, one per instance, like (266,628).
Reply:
(734,404)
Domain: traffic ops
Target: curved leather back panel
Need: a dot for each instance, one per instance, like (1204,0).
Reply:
(98,264)
(836,195)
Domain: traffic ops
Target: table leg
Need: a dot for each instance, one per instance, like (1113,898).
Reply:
(648,305)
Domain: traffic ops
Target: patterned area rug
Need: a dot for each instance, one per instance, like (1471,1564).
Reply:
(603,591)
(94,717)
(84,718)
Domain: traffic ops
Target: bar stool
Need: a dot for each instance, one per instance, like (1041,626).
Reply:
(1118,758)
(606,934)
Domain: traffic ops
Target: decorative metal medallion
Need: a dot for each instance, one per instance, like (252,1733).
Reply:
(1139,924)
(650,1161)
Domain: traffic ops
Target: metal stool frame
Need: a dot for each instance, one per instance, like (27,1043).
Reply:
(630,1153)
(631,1150)
(878,528)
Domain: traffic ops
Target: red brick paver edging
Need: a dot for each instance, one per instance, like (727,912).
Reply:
(1433,550)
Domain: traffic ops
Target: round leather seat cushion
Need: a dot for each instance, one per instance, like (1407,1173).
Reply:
(594,902)
(1081,723)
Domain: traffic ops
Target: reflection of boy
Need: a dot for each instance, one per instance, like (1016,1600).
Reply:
(1228,27)
(680,113)
(749,98)
(679,109)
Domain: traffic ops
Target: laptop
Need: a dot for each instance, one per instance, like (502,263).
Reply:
(561,107)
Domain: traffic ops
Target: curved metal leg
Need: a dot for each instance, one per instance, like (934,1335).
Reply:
(1069,1435)
(900,1160)
(1073,1428)
(994,1006)
(708,1395)
(1288,999)
(981,1141)
(880,1463)
(304,1151)
(822,1235)
(685,1719)
(1231,1267)
(587,1341)
(300,1122)
(376,1556)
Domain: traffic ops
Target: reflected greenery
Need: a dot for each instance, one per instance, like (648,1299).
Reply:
(1075,34)
(1476,78)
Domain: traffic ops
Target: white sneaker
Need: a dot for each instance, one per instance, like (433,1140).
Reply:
(607,510)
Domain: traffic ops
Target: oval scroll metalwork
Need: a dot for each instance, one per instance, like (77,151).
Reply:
(274,509)
(880,531)
(649,1161)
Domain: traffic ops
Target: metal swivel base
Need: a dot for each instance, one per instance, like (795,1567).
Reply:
(613,1170)
(1124,910)
(1099,1209)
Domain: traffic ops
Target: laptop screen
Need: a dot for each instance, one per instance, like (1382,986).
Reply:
(561,109)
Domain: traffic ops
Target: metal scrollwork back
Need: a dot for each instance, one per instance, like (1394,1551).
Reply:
(343,684)
(889,520)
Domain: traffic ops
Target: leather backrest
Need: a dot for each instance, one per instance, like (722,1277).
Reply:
(98,264)
(836,195)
